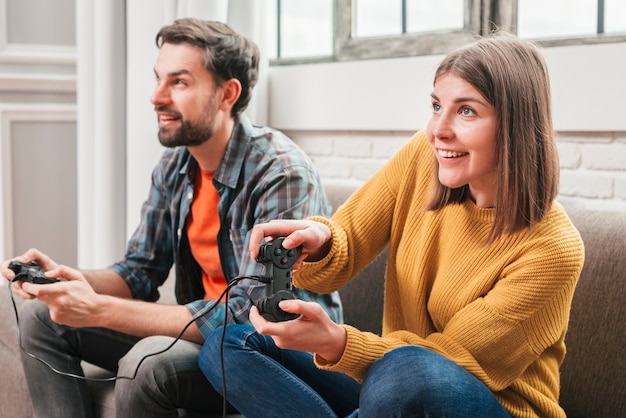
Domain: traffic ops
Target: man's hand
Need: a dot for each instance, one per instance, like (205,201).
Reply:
(72,301)
(32,255)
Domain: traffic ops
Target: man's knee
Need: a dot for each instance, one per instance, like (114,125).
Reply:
(157,370)
(149,356)
(32,315)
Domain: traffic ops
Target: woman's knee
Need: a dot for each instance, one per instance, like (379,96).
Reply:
(417,381)
(223,341)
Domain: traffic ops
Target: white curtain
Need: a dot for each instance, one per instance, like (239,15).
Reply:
(117,142)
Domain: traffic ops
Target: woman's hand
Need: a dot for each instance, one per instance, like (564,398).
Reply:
(313,331)
(314,237)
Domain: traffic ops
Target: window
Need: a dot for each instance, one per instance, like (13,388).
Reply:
(384,18)
(305,28)
(339,30)
(576,18)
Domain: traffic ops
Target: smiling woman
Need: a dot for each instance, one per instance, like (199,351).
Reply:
(506,100)
(478,295)
(462,132)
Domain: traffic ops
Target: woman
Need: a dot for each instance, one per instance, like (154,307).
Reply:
(480,276)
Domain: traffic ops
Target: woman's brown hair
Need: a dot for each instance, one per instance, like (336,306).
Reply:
(513,76)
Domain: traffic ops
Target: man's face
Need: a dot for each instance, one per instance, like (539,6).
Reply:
(185,96)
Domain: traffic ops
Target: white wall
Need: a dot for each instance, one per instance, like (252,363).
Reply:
(587,82)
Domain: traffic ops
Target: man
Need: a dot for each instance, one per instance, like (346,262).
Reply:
(218,178)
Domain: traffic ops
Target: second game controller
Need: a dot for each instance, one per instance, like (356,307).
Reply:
(278,288)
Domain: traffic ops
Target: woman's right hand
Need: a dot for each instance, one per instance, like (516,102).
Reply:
(314,237)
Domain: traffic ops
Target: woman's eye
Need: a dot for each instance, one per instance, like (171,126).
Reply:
(468,111)
(436,107)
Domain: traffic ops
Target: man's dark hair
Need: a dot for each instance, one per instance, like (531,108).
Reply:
(227,54)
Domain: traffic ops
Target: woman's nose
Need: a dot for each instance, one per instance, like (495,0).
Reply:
(442,126)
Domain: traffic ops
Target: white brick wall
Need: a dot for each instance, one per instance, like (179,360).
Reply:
(593,164)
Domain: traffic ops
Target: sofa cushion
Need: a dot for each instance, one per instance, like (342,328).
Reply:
(592,375)
(14,398)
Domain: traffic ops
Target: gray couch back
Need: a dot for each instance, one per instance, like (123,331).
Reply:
(593,372)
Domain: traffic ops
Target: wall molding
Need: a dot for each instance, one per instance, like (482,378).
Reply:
(36,54)
(18,112)
(39,83)
(31,53)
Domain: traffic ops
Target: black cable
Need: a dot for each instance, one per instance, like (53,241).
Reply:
(199,314)
(222,339)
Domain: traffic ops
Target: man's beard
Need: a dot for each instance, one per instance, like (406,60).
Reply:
(188,135)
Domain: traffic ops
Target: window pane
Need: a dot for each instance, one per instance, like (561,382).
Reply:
(556,18)
(377,18)
(614,16)
(270,46)
(430,16)
(306,28)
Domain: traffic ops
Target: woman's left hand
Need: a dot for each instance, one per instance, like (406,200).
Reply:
(313,331)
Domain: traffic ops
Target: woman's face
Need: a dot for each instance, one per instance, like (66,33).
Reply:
(462,132)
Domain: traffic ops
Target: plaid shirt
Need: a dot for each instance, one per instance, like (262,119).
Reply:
(263,176)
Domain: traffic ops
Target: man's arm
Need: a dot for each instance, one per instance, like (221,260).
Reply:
(74,302)
(107,282)
(134,317)
(144,319)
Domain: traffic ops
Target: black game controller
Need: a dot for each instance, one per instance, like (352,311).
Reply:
(30,272)
(278,287)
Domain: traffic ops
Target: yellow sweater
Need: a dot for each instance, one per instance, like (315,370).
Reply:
(500,311)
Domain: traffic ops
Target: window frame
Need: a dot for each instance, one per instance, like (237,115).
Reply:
(347,48)
(480,18)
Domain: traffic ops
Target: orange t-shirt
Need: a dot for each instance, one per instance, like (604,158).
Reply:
(202,229)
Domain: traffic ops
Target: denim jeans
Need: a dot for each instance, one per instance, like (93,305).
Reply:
(164,383)
(263,380)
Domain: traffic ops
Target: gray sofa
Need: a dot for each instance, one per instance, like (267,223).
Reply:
(592,375)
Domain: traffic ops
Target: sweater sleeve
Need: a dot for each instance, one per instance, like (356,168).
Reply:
(361,227)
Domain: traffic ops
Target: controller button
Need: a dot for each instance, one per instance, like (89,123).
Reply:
(277,252)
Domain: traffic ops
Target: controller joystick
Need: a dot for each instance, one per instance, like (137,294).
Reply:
(30,272)
(278,288)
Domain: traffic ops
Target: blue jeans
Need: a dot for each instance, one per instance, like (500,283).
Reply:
(266,381)
(263,380)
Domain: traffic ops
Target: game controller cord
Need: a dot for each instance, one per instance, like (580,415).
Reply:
(199,314)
